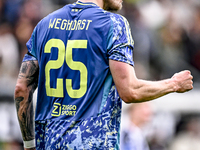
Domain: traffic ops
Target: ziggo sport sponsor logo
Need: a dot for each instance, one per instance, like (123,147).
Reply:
(68,110)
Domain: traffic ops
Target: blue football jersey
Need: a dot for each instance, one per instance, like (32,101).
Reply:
(78,106)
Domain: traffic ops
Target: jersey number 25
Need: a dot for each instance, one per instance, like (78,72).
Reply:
(65,54)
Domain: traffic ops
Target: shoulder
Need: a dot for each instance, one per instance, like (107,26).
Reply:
(119,23)
(55,14)
(118,19)
(58,12)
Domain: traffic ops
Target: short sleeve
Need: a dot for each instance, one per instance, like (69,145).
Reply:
(120,41)
(31,46)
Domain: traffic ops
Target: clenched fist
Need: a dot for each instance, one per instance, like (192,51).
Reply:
(183,81)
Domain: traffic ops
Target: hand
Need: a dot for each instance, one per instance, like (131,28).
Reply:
(29,148)
(183,81)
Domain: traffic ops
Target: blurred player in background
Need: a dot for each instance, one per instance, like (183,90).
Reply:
(80,58)
(132,137)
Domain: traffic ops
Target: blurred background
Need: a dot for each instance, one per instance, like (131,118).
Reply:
(167,40)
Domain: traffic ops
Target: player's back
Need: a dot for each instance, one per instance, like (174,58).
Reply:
(72,55)
(76,104)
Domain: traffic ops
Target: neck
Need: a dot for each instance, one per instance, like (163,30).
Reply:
(97,2)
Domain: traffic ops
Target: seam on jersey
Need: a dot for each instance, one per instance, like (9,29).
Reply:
(110,37)
(33,44)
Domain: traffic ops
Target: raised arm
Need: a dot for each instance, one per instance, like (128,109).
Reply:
(133,90)
(26,85)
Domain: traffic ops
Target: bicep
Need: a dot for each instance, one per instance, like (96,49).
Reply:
(124,77)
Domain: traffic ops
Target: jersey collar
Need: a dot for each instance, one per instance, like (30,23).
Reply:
(85,3)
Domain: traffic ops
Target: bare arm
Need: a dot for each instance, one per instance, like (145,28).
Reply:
(26,85)
(133,90)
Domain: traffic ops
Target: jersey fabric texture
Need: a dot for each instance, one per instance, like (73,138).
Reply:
(78,106)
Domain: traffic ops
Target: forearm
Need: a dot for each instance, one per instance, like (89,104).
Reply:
(179,82)
(25,114)
(149,90)
(25,87)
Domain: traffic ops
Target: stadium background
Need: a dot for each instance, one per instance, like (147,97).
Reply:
(167,40)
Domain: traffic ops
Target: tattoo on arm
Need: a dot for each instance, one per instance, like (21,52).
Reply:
(30,71)
(24,104)
(25,117)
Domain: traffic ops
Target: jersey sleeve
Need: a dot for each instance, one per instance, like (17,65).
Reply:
(120,41)
(31,46)
(28,57)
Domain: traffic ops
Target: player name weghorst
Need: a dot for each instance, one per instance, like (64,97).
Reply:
(64,24)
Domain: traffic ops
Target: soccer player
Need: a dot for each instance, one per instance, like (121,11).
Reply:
(80,58)
(132,137)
